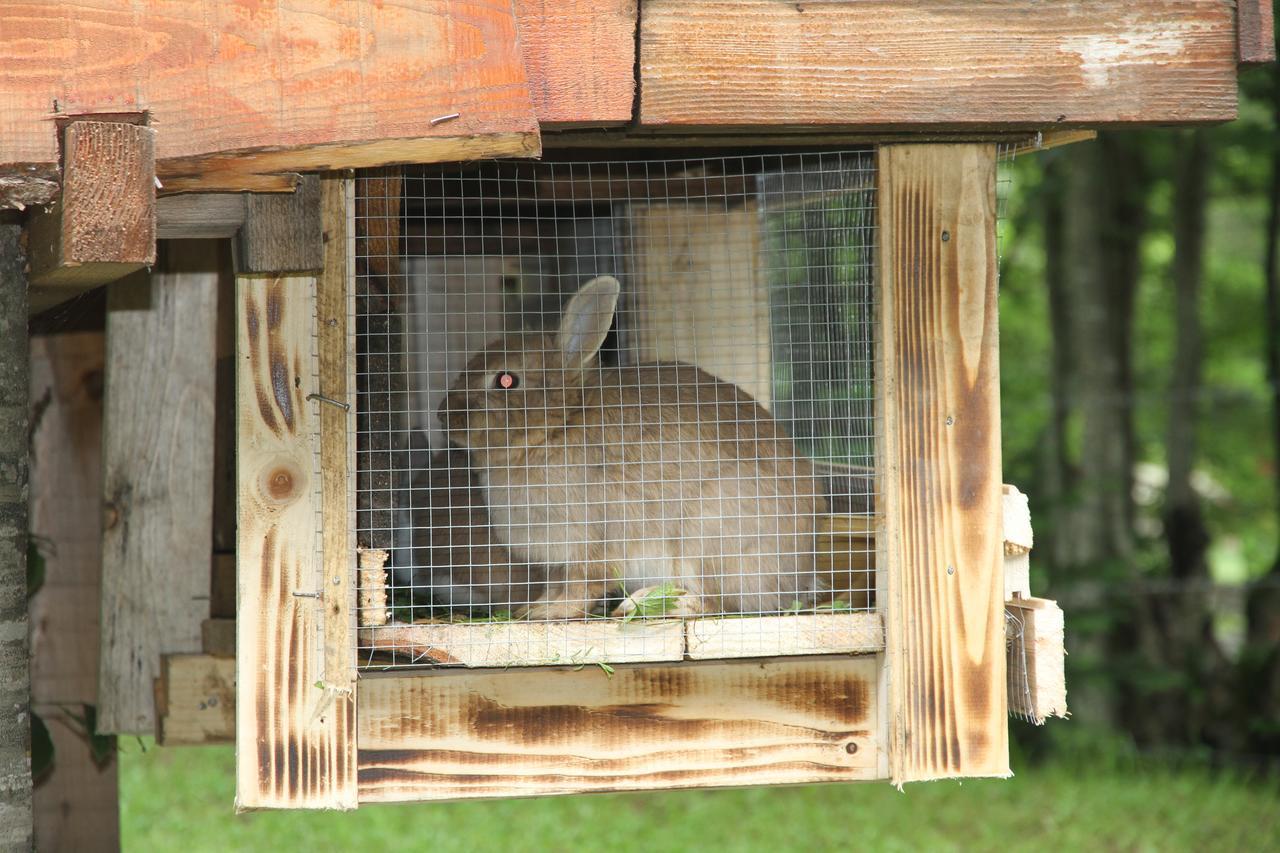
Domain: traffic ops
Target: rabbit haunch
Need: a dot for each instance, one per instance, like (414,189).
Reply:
(631,477)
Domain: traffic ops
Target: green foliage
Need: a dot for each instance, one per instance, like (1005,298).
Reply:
(656,603)
(41,750)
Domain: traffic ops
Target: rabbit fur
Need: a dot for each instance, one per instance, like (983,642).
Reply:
(635,476)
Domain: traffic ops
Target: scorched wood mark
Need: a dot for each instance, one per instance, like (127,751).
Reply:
(253,324)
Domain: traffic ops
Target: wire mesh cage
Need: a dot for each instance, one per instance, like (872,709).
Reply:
(615,411)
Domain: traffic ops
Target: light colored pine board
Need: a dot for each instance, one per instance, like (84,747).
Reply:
(236,90)
(292,727)
(103,226)
(940,489)
(457,735)
(1037,660)
(698,298)
(195,700)
(771,636)
(157,487)
(951,63)
(1255,32)
(505,644)
(580,59)
(76,807)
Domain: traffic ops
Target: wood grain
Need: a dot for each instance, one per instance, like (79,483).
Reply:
(103,226)
(236,89)
(195,700)
(218,637)
(952,63)
(282,233)
(580,59)
(157,488)
(560,731)
(1255,31)
(292,728)
(772,636)
(76,807)
(1037,660)
(199,216)
(940,478)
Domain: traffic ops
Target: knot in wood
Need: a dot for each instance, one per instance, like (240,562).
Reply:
(282,482)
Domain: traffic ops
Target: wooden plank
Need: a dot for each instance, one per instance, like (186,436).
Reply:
(103,226)
(222,586)
(951,63)
(157,484)
(450,735)
(195,700)
(940,487)
(771,636)
(291,727)
(350,84)
(1037,660)
(1255,32)
(218,637)
(580,58)
(1018,540)
(76,806)
(506,644)
(199,216)
(282,233)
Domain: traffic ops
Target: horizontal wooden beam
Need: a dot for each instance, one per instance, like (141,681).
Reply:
(950,63)
(1255,32)
(199,216)
(195,698)
(455,735)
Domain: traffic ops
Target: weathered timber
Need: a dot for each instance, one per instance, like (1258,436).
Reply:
(351,84)
(580,59)
(103,226)
(451,735)
(157,488)
(195,699)
(218,637)
(954,63)
(1255,32)
(76,805)
(281,232)
(199,216)
(940,475)
(15,693)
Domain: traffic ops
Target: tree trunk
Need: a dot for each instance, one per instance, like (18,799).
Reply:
(15,697)
(1058,476)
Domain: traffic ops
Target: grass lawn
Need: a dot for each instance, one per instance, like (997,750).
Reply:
(181,799)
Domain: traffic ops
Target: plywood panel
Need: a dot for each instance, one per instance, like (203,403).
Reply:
(958,63)
(453,736)
(940,489)
(157,487)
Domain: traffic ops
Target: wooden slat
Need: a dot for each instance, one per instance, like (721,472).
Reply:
(940,481)
(195,700)
(957,63)
(291,726)
(238,90)
(103,226)
(199,216)
(504,644)
(218,637)
(454,735)
(158,467)
(1037,681)
(580,58)
(770,636)
(1255,31)
(282,233)
(76,807)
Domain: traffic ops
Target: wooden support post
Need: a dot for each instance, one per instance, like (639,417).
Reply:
(15,722)
(1255,32)
(295,718)
(158,468)
(940,480)
(103,226)
(76,806)
(281,232)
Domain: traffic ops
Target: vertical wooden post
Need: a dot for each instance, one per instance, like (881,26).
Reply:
(295,715)
(940,488)
(15,722)
(157,476)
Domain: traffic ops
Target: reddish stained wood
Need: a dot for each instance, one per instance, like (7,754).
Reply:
(958,63)
(580,57)
(253,88)
(561,731)
(940,479)
(1255,31)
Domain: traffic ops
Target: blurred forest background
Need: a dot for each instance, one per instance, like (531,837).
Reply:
(1140,334)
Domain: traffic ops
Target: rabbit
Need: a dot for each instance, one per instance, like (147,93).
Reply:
(451,551)
(635,476)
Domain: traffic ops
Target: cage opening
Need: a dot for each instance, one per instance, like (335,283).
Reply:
(615,411)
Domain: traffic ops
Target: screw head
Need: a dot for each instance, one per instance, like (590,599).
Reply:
(951,570)
(946,236)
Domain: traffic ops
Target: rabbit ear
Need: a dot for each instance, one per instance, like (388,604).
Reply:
(586,320)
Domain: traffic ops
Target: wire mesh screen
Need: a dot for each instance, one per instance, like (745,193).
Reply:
(615,411)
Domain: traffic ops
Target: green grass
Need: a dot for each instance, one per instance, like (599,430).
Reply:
(181,799)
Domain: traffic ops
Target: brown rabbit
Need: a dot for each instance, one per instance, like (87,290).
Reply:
(634,476)
(452,553)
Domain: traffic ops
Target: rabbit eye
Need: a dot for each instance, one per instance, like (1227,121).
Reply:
(505,381)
